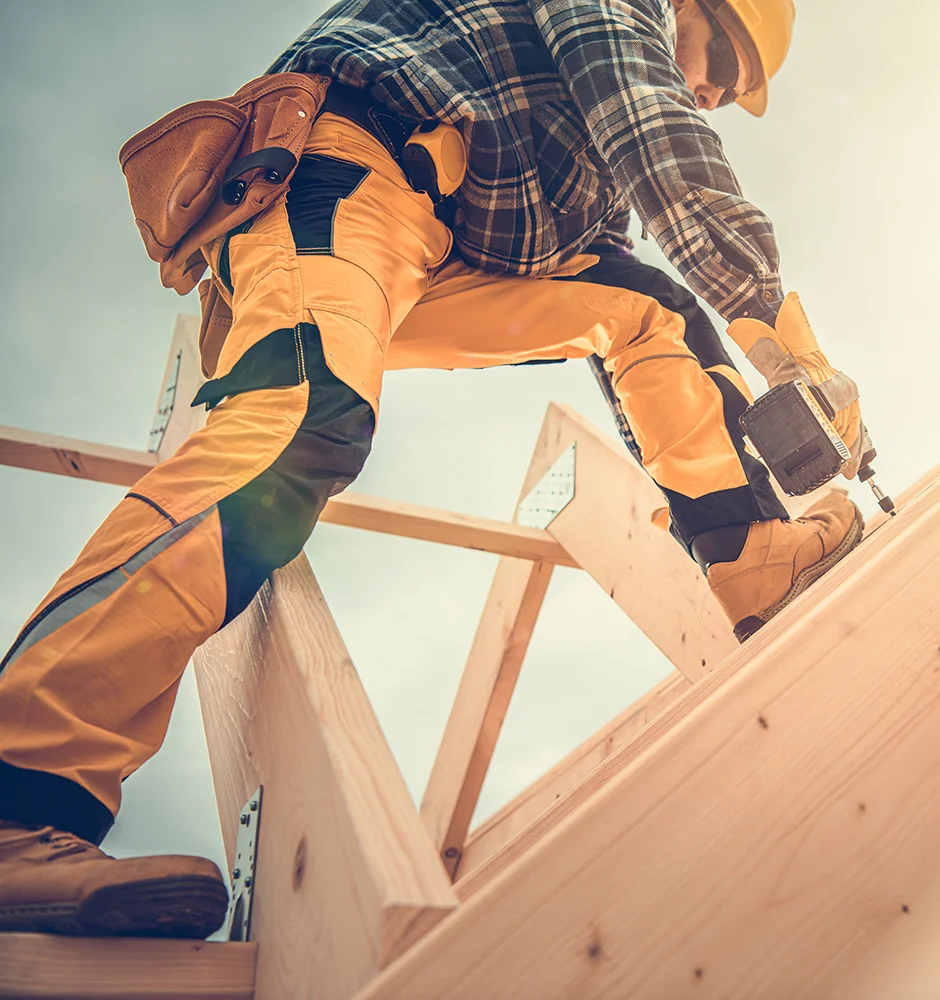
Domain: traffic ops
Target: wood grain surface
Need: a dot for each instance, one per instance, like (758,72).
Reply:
(773,836)
(346,876)
(54,967)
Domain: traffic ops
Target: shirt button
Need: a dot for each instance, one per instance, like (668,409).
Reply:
(768,296)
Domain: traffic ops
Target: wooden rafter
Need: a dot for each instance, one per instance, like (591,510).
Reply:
(347,876)
(409,520)
(486,688)
(479,709)
(124,466)
(607,528)
(609,522)
(53,967)
(69,457)
(777,840)
(516,816)
(643,741)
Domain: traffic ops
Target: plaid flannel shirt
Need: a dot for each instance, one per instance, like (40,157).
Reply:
(574,112)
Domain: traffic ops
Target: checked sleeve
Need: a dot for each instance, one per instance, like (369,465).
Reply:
(616,58)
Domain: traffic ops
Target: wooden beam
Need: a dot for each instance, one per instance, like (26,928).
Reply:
(486,687)
(408,520)
(120,466)
(346,875)
(643,741)
(492,836)
(64,456)
(123,467)
(779,841)
(607,530)
(53,967)
(479,709)
(181,380)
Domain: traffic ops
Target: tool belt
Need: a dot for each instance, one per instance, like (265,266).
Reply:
(210,166)
(392,130)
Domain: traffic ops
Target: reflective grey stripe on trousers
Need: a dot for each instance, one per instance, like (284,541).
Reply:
(86,595)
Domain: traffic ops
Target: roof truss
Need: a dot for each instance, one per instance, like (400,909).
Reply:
(592,882)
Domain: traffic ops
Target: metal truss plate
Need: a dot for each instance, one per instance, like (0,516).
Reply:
(551,494)
(165,409)
(243,873)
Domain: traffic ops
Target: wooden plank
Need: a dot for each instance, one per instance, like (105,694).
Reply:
(64,456)
(493,835)
(346,874)
(181,380)
(780,841)
(395,517)
(102,463)
(608,531)
(123,467)
(486,688)
(53,967)
(674,714)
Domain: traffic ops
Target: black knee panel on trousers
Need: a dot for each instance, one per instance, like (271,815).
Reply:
(690,515)
(266,523)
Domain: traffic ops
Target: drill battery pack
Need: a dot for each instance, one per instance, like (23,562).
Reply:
(791,428)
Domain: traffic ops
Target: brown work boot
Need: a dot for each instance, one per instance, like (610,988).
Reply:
(780,559)
(56,882)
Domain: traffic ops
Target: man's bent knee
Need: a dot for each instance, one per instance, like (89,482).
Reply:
(267,521)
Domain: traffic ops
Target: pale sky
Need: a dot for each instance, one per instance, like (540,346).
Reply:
(844,163)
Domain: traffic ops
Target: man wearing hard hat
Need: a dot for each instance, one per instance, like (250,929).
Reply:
(462,201)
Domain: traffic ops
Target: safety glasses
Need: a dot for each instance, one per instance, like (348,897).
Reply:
(724,69)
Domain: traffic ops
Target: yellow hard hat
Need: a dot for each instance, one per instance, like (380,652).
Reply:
(764,29)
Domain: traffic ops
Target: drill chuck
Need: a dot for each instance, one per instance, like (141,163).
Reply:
(866,474)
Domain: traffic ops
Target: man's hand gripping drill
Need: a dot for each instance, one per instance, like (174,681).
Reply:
(789,352)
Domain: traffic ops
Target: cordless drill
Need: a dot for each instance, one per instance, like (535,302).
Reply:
(791,427)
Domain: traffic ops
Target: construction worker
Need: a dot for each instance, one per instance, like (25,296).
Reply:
(572,113)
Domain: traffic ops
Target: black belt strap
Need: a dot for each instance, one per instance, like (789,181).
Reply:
(392,130)
(361,107)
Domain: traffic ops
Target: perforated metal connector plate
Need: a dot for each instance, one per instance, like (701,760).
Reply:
(551,494)
(243,872)
(165,409)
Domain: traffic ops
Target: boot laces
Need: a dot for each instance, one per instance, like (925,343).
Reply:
(63,845)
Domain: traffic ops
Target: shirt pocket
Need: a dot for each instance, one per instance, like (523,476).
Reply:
(569,178)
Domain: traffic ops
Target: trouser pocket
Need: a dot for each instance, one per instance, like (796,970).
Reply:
(319,184)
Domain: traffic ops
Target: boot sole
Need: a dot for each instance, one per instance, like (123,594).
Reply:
(190,907)
(748,626)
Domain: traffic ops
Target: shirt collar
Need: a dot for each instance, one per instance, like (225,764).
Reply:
(669,13)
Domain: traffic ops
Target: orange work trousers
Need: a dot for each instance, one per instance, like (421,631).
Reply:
(348,275)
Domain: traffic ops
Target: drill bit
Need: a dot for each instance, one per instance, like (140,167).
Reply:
(867,475)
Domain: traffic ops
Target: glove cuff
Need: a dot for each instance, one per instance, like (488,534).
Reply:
(746,332)
(793,329)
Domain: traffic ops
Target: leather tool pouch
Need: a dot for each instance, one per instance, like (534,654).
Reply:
(208,167)
(215,325)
